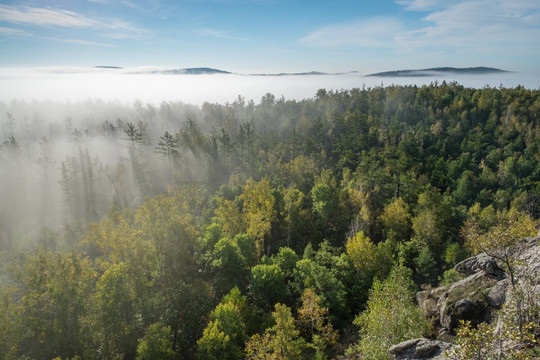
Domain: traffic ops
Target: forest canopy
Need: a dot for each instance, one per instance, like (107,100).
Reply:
(281,229)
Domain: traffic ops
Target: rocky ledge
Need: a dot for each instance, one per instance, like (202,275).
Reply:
(420,349)
(475,298)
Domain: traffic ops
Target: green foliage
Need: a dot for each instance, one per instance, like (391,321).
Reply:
(258,204)
(384,258)
(307,203)
(311,274)
(484,342)
(449,277)
(391,316)
(454,254)
(54,309)
(281,341)
(296,218)
(408,252)
(473,344)
(427,231)
(425,267)
(116,312)
(515,334)
(248,249)
(155,344)
(240,301)
(229,266)
(231,321)
(267,284)
(323,200)
(308,252)
(500,239)
(215,344)
(396,220)
(286,259)
(186,309)
(8,325)
(361,252)
(224,336)
(313,320)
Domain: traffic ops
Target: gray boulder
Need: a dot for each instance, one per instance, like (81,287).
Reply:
(473,298)
(497,294)
(464,300)
(420,349)
(480,263)
(480,293)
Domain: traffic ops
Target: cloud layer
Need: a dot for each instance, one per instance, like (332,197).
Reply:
(375,32)
(482,25)
(49,17)
(43,16)
(274,36)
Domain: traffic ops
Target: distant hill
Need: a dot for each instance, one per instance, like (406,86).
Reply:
(209,71)
(205,70)
(193,71)
(107,67)
(293,74)
(396,73)
(441,70)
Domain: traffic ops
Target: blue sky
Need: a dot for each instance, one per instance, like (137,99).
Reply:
(272,35)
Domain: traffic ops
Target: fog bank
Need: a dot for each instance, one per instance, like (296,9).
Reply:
(128,85)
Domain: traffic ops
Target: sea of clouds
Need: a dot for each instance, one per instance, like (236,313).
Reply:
(63,84)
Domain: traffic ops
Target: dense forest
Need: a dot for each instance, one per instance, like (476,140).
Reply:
(272,230)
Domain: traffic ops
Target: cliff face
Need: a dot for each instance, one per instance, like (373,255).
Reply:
(475,298)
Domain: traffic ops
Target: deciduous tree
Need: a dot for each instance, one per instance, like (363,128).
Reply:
(391,316)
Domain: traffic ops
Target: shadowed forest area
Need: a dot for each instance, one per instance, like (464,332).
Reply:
(279,229)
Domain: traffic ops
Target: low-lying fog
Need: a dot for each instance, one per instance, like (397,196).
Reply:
(73,142)
(128,85)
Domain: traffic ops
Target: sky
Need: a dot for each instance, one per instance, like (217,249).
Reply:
(256,36)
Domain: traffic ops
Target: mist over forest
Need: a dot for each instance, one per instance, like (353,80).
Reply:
(73,161)
(250,228)
(269,180)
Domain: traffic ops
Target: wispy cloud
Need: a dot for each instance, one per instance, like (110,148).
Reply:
(135,6)
(13,32)
(32,16)
(80,42)
(425,5)
(481,26)
(375,32)
(218,33)
(117,29)
(43,16)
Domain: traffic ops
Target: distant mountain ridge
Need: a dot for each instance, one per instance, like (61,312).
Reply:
(294,74)
(396,73)
(108,67)
(205,71)
(479,70)
(192,71)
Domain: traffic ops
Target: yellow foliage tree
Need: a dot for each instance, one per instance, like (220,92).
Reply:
(254,217)
(281,341)
(230,217)
(361,251)
(313,320)
(258,210)
(396,220)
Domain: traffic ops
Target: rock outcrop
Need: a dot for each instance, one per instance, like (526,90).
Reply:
(474,298)
(481,292)
(480,263)
(420,349)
